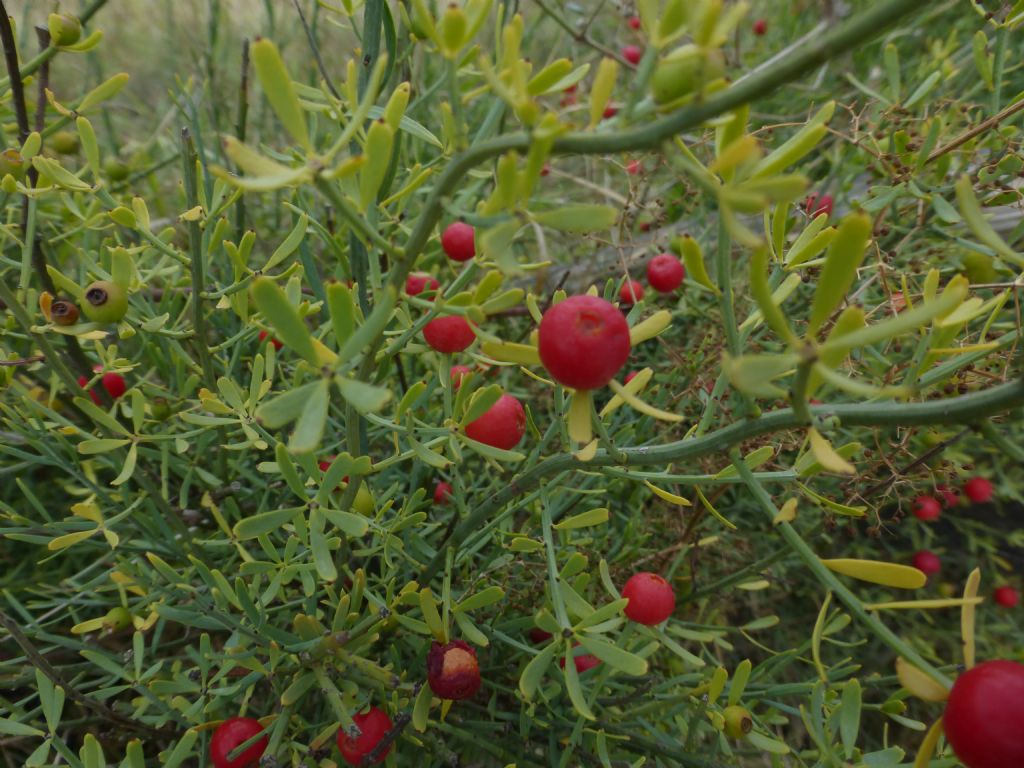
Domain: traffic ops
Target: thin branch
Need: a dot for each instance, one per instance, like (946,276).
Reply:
(963,409)
(316,52)
(581,35)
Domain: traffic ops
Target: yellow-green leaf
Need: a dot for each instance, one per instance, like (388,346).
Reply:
(878,572)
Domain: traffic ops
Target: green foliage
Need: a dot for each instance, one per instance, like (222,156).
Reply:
(251,527)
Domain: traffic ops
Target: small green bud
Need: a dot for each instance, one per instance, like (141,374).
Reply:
(65,29)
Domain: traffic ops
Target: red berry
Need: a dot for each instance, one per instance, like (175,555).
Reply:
(610,111)
(645,225)
(452,670)
(630,376)
(950,497)
(651,598)
(501,426)
(926,562)
(816,205)
(760,27)
(572,88)
(665,273)
(583,661)
(978,490)
(230,734)
(634,22)
(538,635)
(927,508)
(113,383)
(545,169)
(263,337)
(418,282)
(458,241)
(373,725)
(633,167)
(631,291)
(984,715)
(1006,596)
(451,333)
(442,492)
(583,342)
(632,53)
(458,373)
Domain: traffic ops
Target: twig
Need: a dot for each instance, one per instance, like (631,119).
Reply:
(316,52)
(243,112)
(39,662)
(581,36)
(922,459)
(21,361)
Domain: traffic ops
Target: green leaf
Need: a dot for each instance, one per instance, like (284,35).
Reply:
(421,709)
(845,254)
(182,750)
(754,374)
(481,599)
(849,717)
(572,684)
(490,452)
(342,306)
(91,753)
(264,522)
(287,248)
(309,429)
(365,398)
(348,522)
(480,402)
(470,630)
(586,519)
(289,327)
(533,673)
(974,216)
(101,445)
(105,90)
(379,139)
(578,218)
(14,728)
(286,407)
(798,146)
(739,681)
(277,85)
(617,657)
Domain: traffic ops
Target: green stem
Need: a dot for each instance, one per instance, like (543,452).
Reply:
(831,582)
(198,265)
(963,409)
(997,439)
(723,268)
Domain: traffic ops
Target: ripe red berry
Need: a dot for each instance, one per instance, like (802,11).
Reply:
(501,426)
(583,342)
(418,282)
(630,376)
(978,490)
(815,205)
(633,167)
(113,383)
(984,714)
(665,273)
(631,292)
(452,670)
(458,241)
(373,726)
(927,508)
(926,562)
(634,22)
(232,733)
(610,111)
(458,373)
(451,333)
(263,337)
(651,598)
(1006,596)
(545,169)
(442,492)
(632,53)
(538,635)
(582,661)
(950,497)
(760,27)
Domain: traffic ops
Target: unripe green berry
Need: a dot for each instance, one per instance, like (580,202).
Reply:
(65,142)
(737,722)
(117,618)
(105,302)
(65,29)
(116,169)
